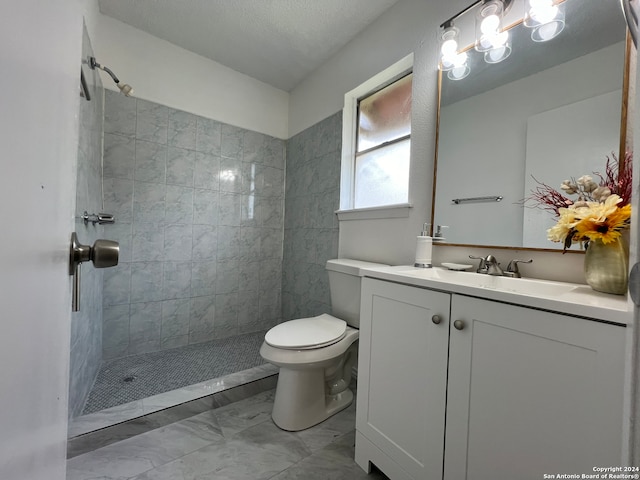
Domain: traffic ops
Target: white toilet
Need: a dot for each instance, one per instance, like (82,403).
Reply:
(315,355)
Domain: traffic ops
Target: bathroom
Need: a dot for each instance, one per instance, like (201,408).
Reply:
(309,116)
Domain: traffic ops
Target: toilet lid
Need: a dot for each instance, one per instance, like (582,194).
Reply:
(304,333)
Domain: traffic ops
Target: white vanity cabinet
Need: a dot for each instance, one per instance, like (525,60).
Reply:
(402,379)
(526,392)
(531,392)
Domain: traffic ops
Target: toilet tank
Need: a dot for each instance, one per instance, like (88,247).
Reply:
(344,281)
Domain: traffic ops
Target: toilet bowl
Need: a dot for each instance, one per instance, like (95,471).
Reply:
(316,354)
(313,382)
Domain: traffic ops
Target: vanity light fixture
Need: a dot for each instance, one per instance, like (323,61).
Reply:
(545,17)
(450,59)
(491,39)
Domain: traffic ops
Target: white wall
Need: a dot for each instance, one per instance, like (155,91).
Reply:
(40,45)
(164,73)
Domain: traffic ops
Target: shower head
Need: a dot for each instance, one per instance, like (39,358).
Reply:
(126,89)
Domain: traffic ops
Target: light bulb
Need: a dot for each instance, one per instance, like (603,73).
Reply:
(490,24)
(460,59)
(499,40)
(496,55)
(544,14)
(449,47)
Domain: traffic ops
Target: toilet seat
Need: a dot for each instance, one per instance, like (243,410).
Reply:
(307,333)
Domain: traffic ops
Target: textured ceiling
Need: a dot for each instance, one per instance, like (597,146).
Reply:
(279,42)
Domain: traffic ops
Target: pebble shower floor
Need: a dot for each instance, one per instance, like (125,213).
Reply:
(135,377)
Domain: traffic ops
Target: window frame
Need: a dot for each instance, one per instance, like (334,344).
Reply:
(349,145)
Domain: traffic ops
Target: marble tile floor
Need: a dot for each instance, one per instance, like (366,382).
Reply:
(139,408)
(235,442)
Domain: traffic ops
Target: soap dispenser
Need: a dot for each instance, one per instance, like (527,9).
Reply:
(423,248)
(438,235)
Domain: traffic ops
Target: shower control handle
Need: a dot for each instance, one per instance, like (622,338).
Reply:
(103,254)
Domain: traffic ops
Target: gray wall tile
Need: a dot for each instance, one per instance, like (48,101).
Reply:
(310,224)
(119,156)
(202,318)
(147,241)
(205,242)
(229,211)
(151,122)
(85,355)
(118,198)
(189,207)
(176,281)
(117,285)
(145,323)
(203,278)
(119,114)
(148,202)
(178,241)
(207,171)
(182,129)
(123,234)
(146,281)
(208,136)
(181,166)
(178,205)
(175,318)
(231,175)
(205,207)
(231,142)
(151,162)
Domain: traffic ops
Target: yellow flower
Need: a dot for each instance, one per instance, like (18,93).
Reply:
(591,221)
(598,211)
(608,229)
(566,222)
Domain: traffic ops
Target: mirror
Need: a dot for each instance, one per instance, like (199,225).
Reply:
(550,111)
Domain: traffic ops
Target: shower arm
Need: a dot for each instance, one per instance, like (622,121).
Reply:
(125,89)
(93,64)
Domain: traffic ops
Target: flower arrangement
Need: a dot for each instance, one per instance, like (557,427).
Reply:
(601,210)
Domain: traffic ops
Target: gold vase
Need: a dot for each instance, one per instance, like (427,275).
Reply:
(606,266)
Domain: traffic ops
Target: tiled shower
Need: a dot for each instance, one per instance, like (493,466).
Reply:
(200,212)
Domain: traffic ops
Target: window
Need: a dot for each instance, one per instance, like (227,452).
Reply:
(377,140)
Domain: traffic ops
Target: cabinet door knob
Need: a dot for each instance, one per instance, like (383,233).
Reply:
(436,319)
(458,324)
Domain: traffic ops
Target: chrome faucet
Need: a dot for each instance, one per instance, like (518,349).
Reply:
(488,265)
(482,266)
(512,268)
(493,267)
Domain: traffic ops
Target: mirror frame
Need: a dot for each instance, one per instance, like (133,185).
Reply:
(624,134)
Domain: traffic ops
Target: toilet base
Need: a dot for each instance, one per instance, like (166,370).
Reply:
(301,401)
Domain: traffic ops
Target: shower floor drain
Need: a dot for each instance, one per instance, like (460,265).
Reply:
(129,379)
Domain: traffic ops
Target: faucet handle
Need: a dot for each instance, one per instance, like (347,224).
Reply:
(512,268)
(482,267)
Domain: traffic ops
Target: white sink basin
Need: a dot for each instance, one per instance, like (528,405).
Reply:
(570,298)
(523,286)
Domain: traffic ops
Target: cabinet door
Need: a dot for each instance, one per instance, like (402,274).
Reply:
(402,370)
(531,393)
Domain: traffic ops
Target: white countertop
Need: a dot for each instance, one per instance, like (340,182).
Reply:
(568,298)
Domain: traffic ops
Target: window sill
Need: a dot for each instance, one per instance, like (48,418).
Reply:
(387,211)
